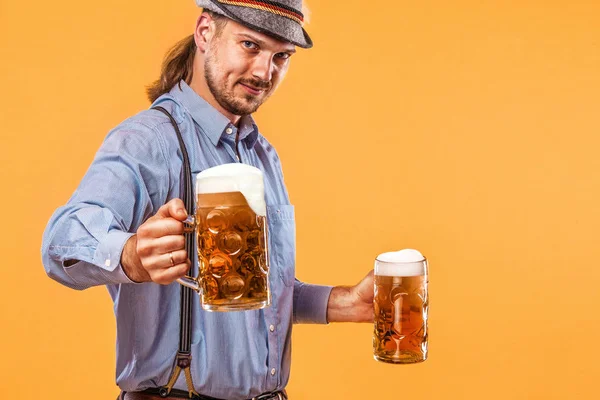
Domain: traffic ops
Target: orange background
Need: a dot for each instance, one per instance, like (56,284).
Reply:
(465,129)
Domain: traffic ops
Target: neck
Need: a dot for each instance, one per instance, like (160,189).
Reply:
(199,85)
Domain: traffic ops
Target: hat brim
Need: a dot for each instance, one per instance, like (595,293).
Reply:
(274,25)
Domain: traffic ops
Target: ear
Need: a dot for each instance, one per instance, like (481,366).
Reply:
(203,32)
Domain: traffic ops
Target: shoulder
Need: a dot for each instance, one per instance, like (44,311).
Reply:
(145,132)
(142,126)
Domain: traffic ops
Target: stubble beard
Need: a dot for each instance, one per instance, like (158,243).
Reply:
(226,97)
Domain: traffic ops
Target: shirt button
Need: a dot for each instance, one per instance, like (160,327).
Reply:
(273,371)
(229,131)
(272,328)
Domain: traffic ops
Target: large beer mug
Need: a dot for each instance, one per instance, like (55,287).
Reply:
(231,228)
(401,306)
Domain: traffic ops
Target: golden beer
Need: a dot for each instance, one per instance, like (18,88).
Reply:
(230,224)
(401,306)
(232,253)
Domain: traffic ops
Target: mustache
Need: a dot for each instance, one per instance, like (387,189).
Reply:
(256,83)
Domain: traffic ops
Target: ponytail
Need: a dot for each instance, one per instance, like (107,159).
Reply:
(179,61)
(177,65)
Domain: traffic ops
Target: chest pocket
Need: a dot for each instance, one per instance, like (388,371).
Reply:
(282,242)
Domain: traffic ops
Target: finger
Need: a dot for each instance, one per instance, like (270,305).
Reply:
(156,228)
(178,257)
(165,261)
(165,244)
(369,316)
(169,275)
(173,209)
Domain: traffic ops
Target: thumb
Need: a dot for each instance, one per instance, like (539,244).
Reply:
(364,288)
(173,209)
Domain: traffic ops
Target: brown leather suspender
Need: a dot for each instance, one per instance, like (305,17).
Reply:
(184,355)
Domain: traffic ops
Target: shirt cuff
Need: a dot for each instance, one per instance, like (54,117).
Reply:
(105,267)
(310,303)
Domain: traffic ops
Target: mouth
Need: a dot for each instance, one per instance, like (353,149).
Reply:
(252,90)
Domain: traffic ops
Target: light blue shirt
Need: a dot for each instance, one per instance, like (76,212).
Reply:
(235,355)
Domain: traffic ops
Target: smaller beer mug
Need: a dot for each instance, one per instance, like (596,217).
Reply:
(231,229)
(400,305)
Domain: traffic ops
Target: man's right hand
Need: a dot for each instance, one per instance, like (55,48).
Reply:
(156,253)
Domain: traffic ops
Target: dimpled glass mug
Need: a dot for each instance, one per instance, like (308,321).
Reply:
(231,228)
(401,303)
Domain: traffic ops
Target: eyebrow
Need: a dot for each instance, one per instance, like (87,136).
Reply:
(262,42)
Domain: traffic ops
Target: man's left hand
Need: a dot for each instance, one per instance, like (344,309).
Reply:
(352,303)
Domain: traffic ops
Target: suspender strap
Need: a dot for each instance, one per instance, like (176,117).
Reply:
(184,356)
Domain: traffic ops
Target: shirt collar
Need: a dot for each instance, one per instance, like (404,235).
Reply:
(248,130)
(214,124)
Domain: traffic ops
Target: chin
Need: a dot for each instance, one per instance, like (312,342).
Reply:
(250,106)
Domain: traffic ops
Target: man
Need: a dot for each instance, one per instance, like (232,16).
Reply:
(123,225)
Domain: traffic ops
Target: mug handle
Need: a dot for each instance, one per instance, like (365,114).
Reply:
(191,282)
(189,226)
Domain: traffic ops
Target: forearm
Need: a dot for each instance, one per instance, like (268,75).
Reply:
(84,241)
(310,303)
(80,257)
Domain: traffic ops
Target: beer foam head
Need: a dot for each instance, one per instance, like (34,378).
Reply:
(406,262)
(235,178)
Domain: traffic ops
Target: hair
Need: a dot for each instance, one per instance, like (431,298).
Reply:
(179,61)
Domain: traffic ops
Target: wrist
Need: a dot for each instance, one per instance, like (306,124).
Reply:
(339,306)
(131,264)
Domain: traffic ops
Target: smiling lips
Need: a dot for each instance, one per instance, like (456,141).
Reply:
(252,90)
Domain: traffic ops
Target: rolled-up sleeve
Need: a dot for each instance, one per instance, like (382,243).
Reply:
(310,303)
(127,181)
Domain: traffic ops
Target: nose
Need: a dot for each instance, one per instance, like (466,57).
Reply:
(262,67)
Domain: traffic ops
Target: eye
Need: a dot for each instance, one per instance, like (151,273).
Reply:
(283,56)
(249,45)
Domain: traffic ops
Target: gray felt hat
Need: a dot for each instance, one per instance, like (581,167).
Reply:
(281,19)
